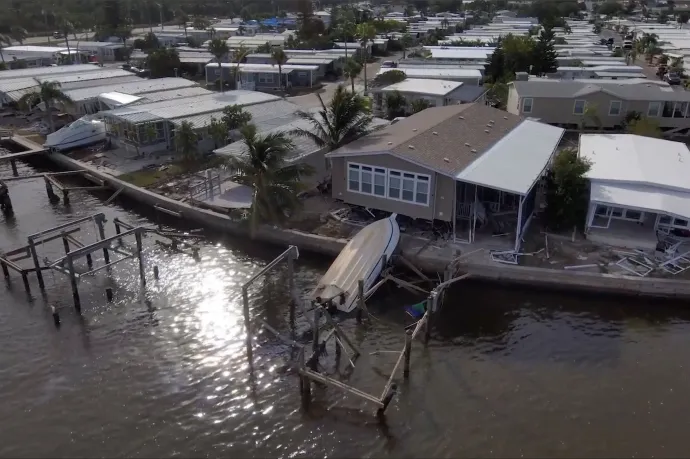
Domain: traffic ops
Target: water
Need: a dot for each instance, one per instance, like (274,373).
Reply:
(513,374)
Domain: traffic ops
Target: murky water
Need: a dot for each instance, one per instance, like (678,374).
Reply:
(513,373)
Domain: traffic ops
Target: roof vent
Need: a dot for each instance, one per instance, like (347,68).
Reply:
(390,143)
(473,150)
(467,144)
(414,130)
(486,130)
(446,160)
(435,133)
(461,117)
(411,147)
(492,121)
(505,117)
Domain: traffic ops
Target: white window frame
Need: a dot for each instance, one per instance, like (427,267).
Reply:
(385,174)
(266,78)
(524,104)
(620,107)
(658,109)
(584,107)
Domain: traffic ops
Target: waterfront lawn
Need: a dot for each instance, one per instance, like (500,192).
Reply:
(147,178)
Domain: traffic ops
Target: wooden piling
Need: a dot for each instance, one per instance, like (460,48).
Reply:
(140,255)
(360,300)
(304,383)
(427,324)
(247,324)
(56,316)
(291,289)
(5,270)
(37,264)
(408,351)
(65,243)
(73,282)
(118,230)
(25,279)
(89,260)
(65,196)
(155,272)
(13,163)
(109,294)
(315,330)
(101,233)
(387,400)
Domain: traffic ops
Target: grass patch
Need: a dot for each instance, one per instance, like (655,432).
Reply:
(150,177)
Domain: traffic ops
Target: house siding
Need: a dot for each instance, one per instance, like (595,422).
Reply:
(441,190)
(560,110)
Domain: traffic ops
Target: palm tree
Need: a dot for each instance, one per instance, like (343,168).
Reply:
(345,118)
(352,70)
(182,19)
(280,59)
(238,55)
(264,169)
(346,28)
(65,26)
(406,41)
(49,92)
(4,39)
(419,105)
(218,131)
(219,48)
(676,65)
(186,141)
(395,104)
(18,34)
(591,113)
(365,32)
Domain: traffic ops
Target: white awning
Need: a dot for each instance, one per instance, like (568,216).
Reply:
(516,162)
(642,197)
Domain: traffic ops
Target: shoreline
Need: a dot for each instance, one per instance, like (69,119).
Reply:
(428,258)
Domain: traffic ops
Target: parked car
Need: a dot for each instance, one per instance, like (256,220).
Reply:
(389,64)
(672,78)
(611,41)
(57,35)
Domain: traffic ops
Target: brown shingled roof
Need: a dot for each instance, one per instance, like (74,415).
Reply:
(438,137)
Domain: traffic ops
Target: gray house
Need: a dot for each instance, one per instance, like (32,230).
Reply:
(564,103)
(263,76)
(471,166)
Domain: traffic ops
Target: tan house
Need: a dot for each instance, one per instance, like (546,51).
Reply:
(564,103)
(471,166)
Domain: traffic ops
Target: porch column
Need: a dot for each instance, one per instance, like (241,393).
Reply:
(590,217)
(455,207)
(473,223)
(311,78)
(518,230)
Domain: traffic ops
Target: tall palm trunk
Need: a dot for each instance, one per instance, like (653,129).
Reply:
(352,81)
(51,121)
(2,56)
(280,76)
(69,55)
(220,75)
(365,69)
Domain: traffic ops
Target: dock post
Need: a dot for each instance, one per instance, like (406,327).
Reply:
(387,401)
(304,383)
(117,230)
(291,288)
(408,350)
(37,264)
(13,163)
(5,271)
(65,197)
(140,255)
(247,325)
(360,297)
(56,316)
(65,242)
(155,272)
(52,197)
(101,233)
(109,294)
(89,260)
(317,319)
(73,282)
(25,279)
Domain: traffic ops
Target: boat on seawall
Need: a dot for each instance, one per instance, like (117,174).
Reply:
(361,258)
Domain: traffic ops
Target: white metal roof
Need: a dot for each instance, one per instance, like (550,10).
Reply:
(516,161)
(461,53)
(43,71)
(642,197)
(136,87)
(633,159)
(311,60)
(261,67)
(35,49)
(117,99)
(439,72)
(420,86)
(101,74)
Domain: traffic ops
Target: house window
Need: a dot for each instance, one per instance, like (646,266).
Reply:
(527,104)
(390,184)
(265,78)
(160,131)
(679,109)
(654,109)
(615,108)
(579,107)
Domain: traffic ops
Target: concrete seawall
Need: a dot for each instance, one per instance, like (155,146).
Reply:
(426,261)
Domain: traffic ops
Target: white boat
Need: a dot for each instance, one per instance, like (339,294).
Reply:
(361,258)
(85,131)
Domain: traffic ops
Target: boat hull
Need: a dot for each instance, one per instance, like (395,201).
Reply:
(361,258)
(67,139)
